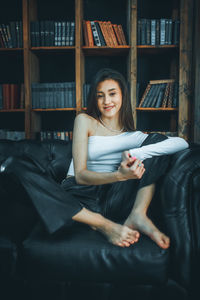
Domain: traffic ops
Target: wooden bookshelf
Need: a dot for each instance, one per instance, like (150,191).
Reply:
(80,62)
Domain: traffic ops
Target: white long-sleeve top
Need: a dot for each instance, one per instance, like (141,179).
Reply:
(105,152)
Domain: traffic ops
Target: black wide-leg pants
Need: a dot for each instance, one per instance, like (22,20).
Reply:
(55,204)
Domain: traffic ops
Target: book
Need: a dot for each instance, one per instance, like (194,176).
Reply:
(166,94)
(85,34)
(109,38)
(72,34)
(90,34)
(96,36)
(112,34)
(162,32)
(145,94)
(122,34)
(102,40)
(176,32)
(160,95)
(116,31)
(148,32)
(149,99)
(153,32)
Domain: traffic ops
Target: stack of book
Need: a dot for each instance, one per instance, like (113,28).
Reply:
(56,135)
(160,93)
(11,96)
(11,35)
(54,95)
(100,33)
(11,135)
(158,32)
(52,33)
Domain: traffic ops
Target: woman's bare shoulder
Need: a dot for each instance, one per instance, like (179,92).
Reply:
(85,120)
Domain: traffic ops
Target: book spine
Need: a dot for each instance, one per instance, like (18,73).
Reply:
(114,40)
(143,31)
(160,95)
(56,33)
(139,32)
(153,32)
(63,33)
(104,32)
(164,103)
(10,45)
(148,32)
(157,32)
(170,97)
(103,43)
(110,42)
(176,32)
(97,41)
(119,41)
(42,34)
(162,31)
(90,35)
(85,34)
(72,34)
(145,94)
(37,33)
(59,33)
(170,32)
(122,34)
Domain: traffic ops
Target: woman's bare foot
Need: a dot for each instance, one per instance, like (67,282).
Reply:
(142,223)
(117,234)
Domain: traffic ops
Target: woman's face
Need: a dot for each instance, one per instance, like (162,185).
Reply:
(109,98)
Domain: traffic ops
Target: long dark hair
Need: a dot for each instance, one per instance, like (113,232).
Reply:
(125,113)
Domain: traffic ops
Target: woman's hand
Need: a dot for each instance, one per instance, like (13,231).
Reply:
(130,167)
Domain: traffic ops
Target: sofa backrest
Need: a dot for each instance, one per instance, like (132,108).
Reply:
(53,155)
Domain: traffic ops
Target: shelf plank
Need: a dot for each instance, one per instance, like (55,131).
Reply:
(149,49)
(54,109)
(157,109)
(10,49)
(105,50)
(12,110)
(156,46)
(52,49)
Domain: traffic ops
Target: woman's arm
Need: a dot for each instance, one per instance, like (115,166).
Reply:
(79,151)
(166,147)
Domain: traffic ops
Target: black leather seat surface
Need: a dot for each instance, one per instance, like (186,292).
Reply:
(80,253)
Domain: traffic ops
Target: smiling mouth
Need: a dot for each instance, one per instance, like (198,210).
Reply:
(108,107)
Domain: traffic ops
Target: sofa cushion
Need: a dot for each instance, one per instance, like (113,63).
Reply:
(53,156)
(80,253)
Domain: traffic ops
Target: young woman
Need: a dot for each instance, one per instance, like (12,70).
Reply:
(112,176)
(107,153)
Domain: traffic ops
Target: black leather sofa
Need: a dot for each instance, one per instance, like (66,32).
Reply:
(78,262)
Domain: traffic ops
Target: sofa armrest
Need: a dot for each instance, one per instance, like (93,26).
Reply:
(181,211)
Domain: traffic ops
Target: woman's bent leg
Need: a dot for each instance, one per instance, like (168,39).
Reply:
(54,206)
(155,167)
(138,217)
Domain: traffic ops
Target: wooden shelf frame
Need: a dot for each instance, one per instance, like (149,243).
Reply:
(32,119)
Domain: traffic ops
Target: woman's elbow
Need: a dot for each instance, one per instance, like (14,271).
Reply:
(79,178)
